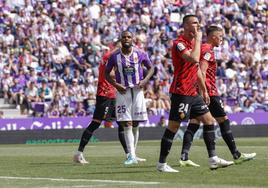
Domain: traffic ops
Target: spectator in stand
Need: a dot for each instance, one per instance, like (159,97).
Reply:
(31,93)
(45,92)
(1,114)
(247,106)
(222,88)
(44,37)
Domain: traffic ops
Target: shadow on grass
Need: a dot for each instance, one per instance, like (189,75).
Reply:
(119,172)
(52,164)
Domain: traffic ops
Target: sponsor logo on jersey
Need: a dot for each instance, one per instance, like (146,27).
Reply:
(181,46)
(207,56)
(129,70)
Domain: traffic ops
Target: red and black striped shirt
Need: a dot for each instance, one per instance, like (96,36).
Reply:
(104,87)
(185,73)
(207,54)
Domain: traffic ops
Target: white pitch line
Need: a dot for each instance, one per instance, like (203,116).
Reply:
(80,186)
(79,180)
(87,186)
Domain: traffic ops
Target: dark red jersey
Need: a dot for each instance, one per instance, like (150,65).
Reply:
(104,87)
(207,54)
(185,73)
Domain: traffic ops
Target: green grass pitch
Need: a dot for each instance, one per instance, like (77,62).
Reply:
(51,166)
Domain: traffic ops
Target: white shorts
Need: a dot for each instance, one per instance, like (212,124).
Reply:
(131,106)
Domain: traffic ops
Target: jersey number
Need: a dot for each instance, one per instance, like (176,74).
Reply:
(183,107)
(121,109)
(221,103)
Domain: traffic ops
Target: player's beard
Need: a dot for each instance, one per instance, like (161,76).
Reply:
(127,45)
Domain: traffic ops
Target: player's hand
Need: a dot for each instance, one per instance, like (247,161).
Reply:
(122,89)
(198,33)
(142,83)
(206,97)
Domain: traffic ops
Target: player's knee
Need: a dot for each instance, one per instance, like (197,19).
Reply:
(225,126)
(194,121)
(97,121)
(128,124)
(135,124)
(173,126)
(120,126)
(93,126)
(207,119)
(221,119)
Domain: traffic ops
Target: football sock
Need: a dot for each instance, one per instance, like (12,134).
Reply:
(129,137)
(121,137)
(136,135)
(87,135)
(209,138)
(166,144)
(227,136)
(188,139)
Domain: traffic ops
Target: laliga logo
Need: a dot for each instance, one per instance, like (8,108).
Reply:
(36,124)
(248,121)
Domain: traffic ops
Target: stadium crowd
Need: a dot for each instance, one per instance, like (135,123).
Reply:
(50,50)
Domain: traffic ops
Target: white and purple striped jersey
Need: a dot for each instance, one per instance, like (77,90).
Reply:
(129,68)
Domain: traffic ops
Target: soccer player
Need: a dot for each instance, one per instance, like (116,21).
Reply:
(208,67)
(185,100)
(105,104)
(128,63)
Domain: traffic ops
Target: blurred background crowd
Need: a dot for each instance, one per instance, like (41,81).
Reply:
(50,50)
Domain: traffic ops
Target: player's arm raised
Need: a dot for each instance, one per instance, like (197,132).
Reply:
(193,55)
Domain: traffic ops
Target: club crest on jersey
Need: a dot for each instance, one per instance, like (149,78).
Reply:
(180,46)
(129,70)
(207,56)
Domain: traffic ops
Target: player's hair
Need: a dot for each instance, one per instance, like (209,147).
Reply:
(186,18)
(125,31)
(213,28)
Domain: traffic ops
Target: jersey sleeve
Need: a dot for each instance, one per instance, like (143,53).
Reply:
(110,64)
(181,47)
(205,55)
(146,60)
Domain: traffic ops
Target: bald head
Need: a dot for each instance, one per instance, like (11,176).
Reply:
(126,39)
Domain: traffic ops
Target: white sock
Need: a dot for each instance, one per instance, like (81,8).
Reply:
(136,134)
(129,140)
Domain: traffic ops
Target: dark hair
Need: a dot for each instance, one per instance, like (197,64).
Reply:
(186,18)
(125,31)
(212,29)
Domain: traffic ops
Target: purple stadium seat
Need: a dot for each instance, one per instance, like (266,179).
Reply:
(39,107)
(259,110)
(231,101)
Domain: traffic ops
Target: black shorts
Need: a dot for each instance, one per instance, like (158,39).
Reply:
(105,109)
(185,107)
(216,107)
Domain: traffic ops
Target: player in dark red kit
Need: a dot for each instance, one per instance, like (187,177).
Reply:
(208,67)
(105,104)
(185,101)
